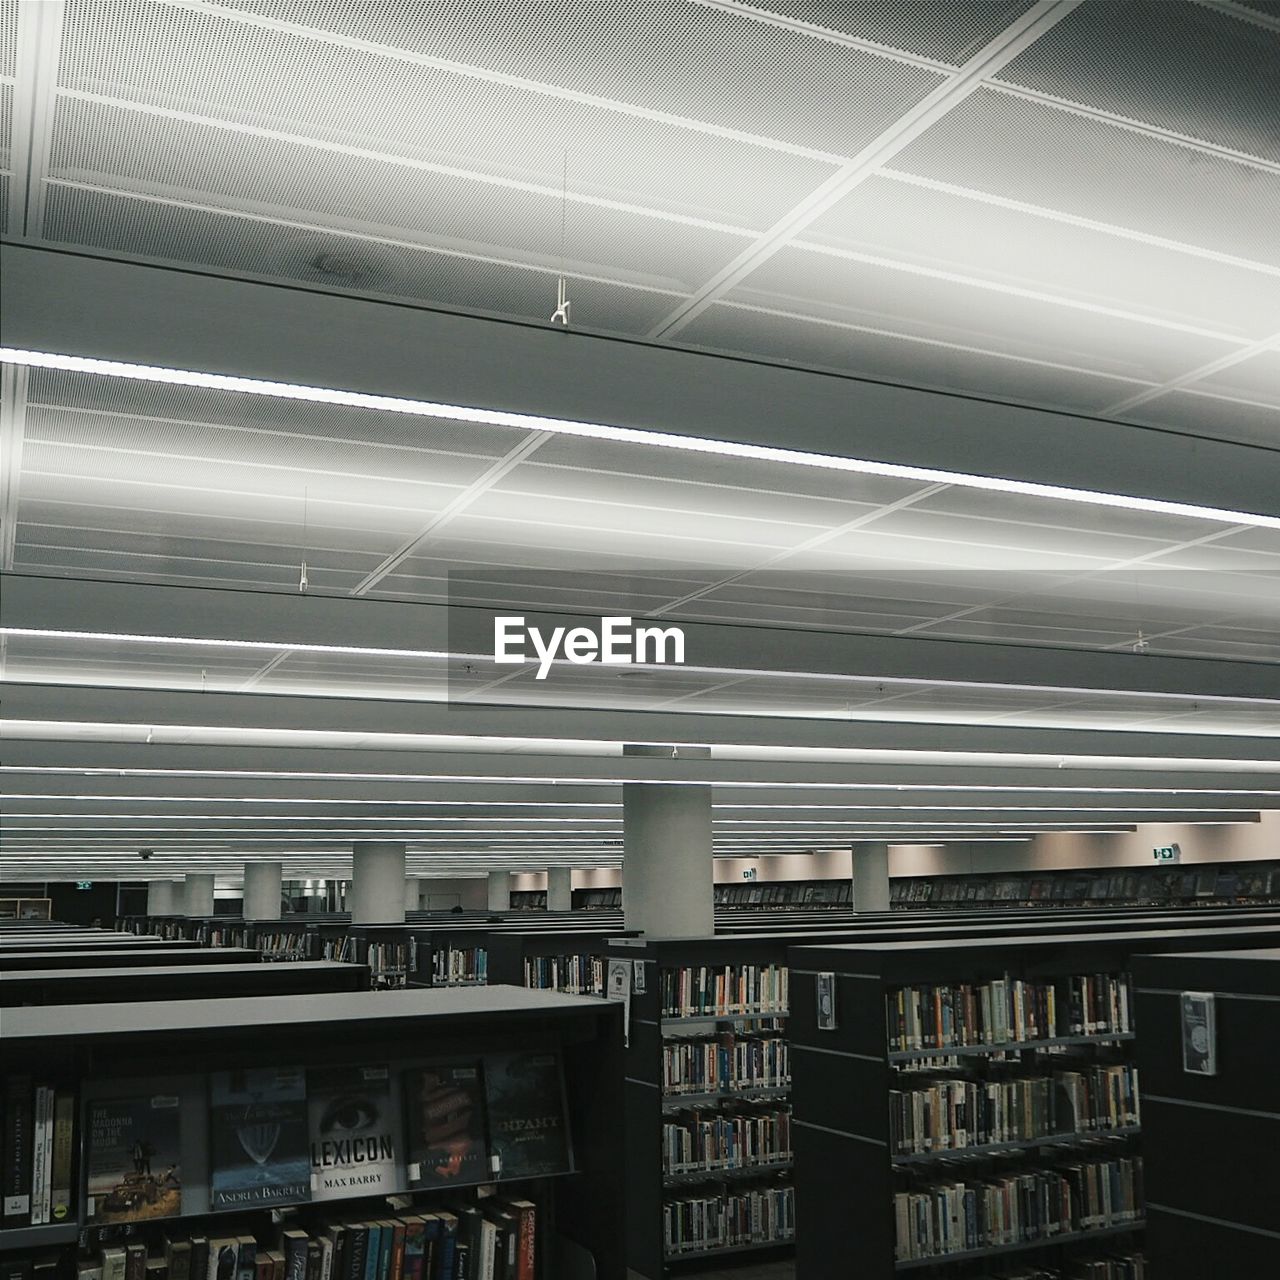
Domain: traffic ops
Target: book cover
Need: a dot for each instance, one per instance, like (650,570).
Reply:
(527,1130)
(355,1132)
(222,1259)
(133,1162)
(447,1125)
(258,1141)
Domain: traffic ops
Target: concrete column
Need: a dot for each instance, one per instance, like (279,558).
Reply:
(668,876)
(262,890)
(377,882)
(412,894)
(162,898)
(559,889)
(499,891)
(197,895)
(871,877)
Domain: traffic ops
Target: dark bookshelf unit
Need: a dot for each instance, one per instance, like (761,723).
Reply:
(108,985)
(95,1054)
(569,961)
(733,1190)
(849,1081)
(1213,1174)
(528,899)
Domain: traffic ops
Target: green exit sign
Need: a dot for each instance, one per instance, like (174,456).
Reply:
(1166,853)
(84,884)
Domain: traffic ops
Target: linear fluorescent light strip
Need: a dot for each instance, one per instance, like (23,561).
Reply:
(622,435)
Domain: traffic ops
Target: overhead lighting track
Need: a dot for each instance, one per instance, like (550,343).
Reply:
(625,435)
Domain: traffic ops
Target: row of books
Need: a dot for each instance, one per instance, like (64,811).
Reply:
(954,1114)
(948,1217)
(724,990)
(282,944)
(576,975)
(945,1016)
(597,899)
(1006,1010)
(726,1064)
(1125,1265)
(38,1128)
(814,893)
(701,1140)
(739,1216)
(1101,1003)
(1241,880)
(281,1136)
(493,1239)
(459,966)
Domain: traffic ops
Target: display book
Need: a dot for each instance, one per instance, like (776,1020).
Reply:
(726,1122)
(288,1137)
(992,1109)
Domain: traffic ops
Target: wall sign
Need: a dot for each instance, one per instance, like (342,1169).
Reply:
(1199,1033)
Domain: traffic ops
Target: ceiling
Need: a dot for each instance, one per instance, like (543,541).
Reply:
(1056,203)
(1069,206)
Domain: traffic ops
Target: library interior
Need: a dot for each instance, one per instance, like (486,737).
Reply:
(639,639)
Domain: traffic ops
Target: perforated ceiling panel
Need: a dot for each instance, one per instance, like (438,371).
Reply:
(1079,232)
(1165,65)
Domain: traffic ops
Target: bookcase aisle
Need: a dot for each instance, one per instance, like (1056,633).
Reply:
(453,1135)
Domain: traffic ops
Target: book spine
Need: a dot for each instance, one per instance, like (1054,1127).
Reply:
(39,1119)
(64,1117)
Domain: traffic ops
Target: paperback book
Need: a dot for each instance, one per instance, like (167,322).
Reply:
(258,1147)
(527,1132)
(447,1125)
(133,1159)
(355,1132)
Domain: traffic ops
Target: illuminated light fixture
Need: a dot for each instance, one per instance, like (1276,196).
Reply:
(624,435)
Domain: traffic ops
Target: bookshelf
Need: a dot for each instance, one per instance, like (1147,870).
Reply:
(101,1053)
(861,1181)
(735,1131)
(1213,1181)
(105,984)
(79,956)
(1200,885)
(782,895)
(569,961)
(26,909)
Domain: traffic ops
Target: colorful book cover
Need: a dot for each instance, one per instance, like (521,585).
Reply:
(527,1130)
(355,1132)
(446,1125)
(258,1144)
(133,1162)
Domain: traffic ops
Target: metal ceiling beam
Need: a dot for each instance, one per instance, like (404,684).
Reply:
(152,708)
(84,304)
(144,609)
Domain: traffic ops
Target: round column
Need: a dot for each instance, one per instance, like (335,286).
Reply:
(162,898)
(668,871)
(377,882)
(871,877)
(197,895)
(262,890)
(499,891)
(559,889)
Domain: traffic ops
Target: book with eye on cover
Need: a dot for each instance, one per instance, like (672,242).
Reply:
(355,1132)
(447,1146)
